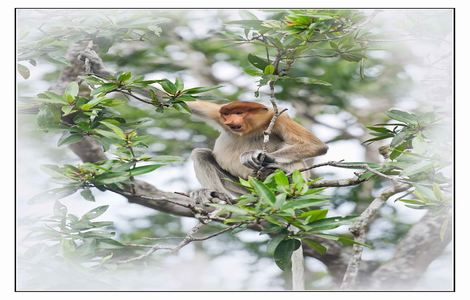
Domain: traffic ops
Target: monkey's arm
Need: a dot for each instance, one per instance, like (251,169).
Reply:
(206,110)
(299,143)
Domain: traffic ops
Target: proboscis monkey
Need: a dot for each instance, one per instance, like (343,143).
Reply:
(238,150)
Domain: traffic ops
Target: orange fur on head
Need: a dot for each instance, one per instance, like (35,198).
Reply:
(241,106)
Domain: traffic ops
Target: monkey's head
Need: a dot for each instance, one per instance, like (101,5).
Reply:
(242,117)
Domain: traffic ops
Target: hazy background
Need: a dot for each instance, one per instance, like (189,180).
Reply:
(409,68)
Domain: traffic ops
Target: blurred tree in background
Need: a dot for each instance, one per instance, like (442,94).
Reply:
(375,85)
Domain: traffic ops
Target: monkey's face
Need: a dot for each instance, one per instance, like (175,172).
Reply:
(236,122)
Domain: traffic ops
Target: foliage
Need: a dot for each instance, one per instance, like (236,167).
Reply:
(414,156)
(289,211)
(79,238)
(297,34)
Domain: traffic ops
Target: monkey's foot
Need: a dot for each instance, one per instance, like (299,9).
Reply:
(203,196)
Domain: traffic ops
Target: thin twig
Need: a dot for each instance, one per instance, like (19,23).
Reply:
(340,164)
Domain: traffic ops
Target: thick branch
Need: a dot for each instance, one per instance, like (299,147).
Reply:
(423,243)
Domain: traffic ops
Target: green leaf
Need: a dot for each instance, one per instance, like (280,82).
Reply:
(51,97)
(400,138)
(402,116)
(298,204)
(87,194)
(179,84)
(110,178)
(281,179)
(200,89)
(379,129)
(274,221)
(104,89)
(258,62)
(413,201)
(118,131)
(182,107)
(231,208)
(308,80)
(125,76)
(72,89)
(348,241)
(263,191)
(273,243)
(53,194)
(333,221)
(69,139)
(252,71)
(143,169)
(280,200)
(92,103)
(283,253)
(298,180)
(92,79)
(314,215)
(107,134)
(269,69)
(167,86)
(23,71)
(315,246)
(95,212)
(166,158)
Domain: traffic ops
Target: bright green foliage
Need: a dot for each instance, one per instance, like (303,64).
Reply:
(297,34)
(288,210)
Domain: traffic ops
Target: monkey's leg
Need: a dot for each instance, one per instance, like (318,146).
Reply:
(212,177)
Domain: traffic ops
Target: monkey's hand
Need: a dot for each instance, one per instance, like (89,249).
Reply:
(254,160)
(203,196)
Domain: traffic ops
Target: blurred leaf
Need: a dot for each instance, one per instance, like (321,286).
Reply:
(315,246)
(273,243)
(104,89)
(95,212)
(269,69)
(402,116)
(200,89)
(53,194)
(308,80)
(118,131)
(23,71)
(72,89)
(167,86)
(124,76)
(87,194)
(143,169)
(60,210)
(179,84)
(69,139)
(283,253)
(258,62)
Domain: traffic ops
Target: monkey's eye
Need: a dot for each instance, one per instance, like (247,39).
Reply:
(238,113)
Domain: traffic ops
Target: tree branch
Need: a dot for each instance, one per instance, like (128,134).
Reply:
(358,229)
(423,243)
